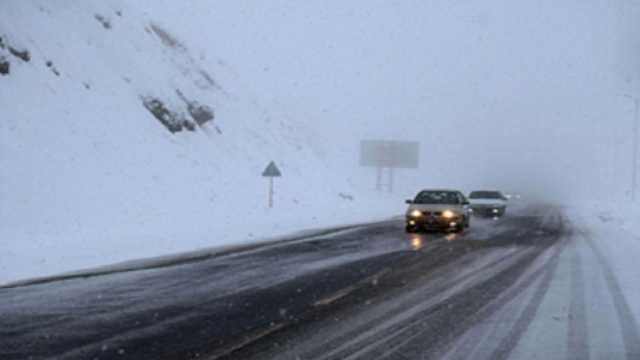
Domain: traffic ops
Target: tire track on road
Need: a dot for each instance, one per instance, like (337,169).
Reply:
(509,343)
(431,324)
(424,331)
(470,343)
(488,298)
(366,331)
(578,333)
(628,323)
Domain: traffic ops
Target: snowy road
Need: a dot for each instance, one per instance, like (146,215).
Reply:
(541,283)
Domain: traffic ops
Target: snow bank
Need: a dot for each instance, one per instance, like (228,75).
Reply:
(91,174)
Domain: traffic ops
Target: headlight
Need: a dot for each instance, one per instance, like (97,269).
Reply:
(448,214)
(415,213)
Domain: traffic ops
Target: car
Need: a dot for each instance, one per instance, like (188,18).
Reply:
(488,203)
(440,210)
(513,196)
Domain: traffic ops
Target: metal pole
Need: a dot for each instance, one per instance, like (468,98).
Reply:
(615,163)
(270,192)
(634,156)
(634,181)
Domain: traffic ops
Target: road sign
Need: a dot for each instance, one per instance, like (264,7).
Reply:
(271,171)
(388,155)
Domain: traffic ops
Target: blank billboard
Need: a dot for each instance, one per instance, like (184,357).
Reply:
(389,154)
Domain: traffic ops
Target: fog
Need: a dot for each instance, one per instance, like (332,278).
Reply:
(525,96)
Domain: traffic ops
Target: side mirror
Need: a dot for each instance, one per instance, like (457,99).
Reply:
(409,201)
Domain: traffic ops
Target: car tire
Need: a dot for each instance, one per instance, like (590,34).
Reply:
(410,229)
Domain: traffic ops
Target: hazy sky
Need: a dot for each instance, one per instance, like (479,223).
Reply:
(500,93)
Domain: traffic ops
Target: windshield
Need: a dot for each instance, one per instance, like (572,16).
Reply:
(486,195)
(437,197)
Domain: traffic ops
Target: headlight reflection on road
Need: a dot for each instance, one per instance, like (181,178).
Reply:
(417,242)
(451,237)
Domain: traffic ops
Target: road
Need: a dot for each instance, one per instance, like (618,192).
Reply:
(538,283)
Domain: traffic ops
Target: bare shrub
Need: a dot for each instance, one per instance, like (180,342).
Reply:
(166,38)
(52,67)
(4,66)
(106,23)
(24,55)
(200,113)
(173,121)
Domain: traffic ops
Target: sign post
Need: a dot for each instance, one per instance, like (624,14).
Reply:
(271,171)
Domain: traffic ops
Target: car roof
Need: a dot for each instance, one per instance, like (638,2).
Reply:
(443,190)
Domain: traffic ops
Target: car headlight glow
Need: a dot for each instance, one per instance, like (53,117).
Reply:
(415,213)
(448,214)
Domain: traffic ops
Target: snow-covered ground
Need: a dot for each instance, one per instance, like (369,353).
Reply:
(90,177)
(581,298)
(594,297)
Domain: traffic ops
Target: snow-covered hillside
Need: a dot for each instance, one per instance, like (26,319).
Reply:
(120,140)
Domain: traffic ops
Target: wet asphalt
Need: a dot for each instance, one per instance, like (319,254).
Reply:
(369,292)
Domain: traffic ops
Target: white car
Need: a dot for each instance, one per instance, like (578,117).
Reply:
(445,210)
(488,203)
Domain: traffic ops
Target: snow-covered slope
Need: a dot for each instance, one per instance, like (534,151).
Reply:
(88,174)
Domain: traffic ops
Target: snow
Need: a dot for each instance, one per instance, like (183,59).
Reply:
(583,304)
(615,234)
(90,178)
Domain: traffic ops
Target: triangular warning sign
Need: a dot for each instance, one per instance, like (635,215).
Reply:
(271,170)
